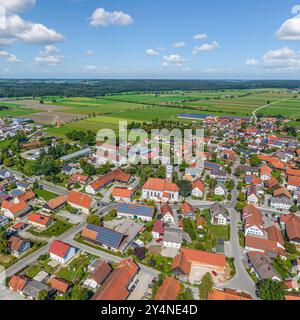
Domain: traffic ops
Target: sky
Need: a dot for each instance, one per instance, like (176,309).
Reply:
(143,39)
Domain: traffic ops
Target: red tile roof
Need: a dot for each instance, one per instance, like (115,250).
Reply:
(294,181)
(228,294)
(17,283)
(59,285)
(266,170)
(119,192)
(101,272)
(79,178)
(14,208)
(275,234)
(159,227)
(116,285)
(80,199)
(117,175)
(252,217)
(169,290)
(59,248)
(165,209)
(292,225)
(187,257)
(268,246)
(38,218)
(199,184)
(292,172)
(186,208)
(57,202)
(160,185)
(27,196)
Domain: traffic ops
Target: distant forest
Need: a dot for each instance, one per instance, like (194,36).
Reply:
(92,88)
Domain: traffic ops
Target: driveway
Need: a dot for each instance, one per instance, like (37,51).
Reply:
(144,279)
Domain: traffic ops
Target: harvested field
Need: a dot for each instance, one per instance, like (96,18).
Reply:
(36,105)
(54,117)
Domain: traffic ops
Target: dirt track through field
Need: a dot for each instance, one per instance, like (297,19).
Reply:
(50,117)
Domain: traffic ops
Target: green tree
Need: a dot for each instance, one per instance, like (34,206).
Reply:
(93,219)
(185,188)
(206,286)
(43,295)
(271,290)
(254,160)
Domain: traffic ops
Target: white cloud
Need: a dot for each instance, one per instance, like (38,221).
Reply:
(102,18)
(200,36)
(9,57)
(90,53)
(284,58)
(17,5)
(16,28)
(90,68)
(179,45)
(290,29)
(152,52)
(206,47)
(50,56)
(173,60)
(252,62)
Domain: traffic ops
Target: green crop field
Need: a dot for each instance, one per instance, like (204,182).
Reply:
(14,110)
(107,111)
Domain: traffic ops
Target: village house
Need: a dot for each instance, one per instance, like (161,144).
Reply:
(18,246)
(290,223)
(293,183)
(55,204)
(189,263)
(62,252)
(3,221)
(262,266)
(198,188)
(218,214)
(252,194)
(220,190)
(119,283)
(228,295)
(260,245)
(169,290)
(265,173)
(253,222)
(167,215)
(107,238)
(123,194)
(60,286)
(99,275)
(160,190)
(117,175)
(158,230)
(79,178)
(39,220)
(82,202)
(187,211)
(172,238)
(135,211)
(281,203)
(14,210)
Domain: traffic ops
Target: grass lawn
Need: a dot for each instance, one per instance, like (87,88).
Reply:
(7,261)
(5,143)
(75,271)
(44,194)
(55,230)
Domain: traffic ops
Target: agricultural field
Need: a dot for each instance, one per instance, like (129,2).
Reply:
(82,113)
(14,110)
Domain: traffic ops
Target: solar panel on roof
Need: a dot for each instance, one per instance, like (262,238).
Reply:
(135,209)
(106,236)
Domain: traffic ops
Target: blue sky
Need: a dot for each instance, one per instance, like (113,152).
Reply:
(192,39)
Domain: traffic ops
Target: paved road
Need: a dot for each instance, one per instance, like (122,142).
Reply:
(265,106)
(241,281)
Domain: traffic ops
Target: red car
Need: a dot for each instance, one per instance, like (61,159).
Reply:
(214,273)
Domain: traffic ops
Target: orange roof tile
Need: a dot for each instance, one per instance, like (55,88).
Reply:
(80,199)
(169,290)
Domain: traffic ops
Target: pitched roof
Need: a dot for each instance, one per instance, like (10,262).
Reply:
(59,248)
(187,208)
(252,217)
(14,208)
(80,199)
(15,243)
(262,265)
(79,178)
(101,272)
(59,285)
(110,177)
(38,218)
(228,294)
(160,185)
(57,202)
(294,181)
(116,285)
(158,227)
(265,170)
(268,246)
(293,172)
(120,192)
(29,195)
(199,184)
(17,283)
(169,290)
(187,257)
(136,209)
(282,192)
(292,225)
(275,234)
(165,209)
